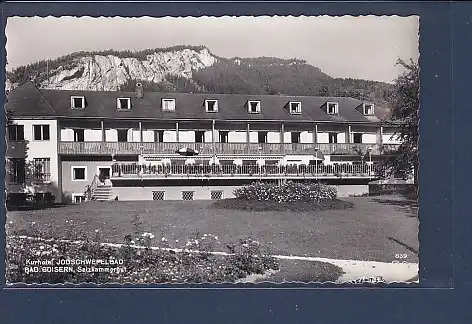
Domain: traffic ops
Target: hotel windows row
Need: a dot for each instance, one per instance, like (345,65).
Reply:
(40,132)
(211,106)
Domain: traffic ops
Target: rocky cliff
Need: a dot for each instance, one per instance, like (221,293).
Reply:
(192,69)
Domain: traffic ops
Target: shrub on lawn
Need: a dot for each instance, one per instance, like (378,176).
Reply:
(287,192)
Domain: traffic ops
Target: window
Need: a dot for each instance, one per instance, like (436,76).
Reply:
(158,136)
(295,108)
(77,102)
(123,103)
(168,104)
(333,138)
(16,132)
(79,173)
(199,136)
(187,195)
(79,135)
(357,138)
(42,169)
(368,109)
(41,132)
(332,108)
(17,171)
(295,137)
(254,107)
(224,136)
(158,195)
(78,198)
(262,137)
(211,105)
(216,194)
(122,135)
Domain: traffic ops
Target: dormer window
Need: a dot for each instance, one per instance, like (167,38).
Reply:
(332,108)
(368,109)
(168,104)
(123,103)
(254,107)
(211,106)
(77,102)
(295,107)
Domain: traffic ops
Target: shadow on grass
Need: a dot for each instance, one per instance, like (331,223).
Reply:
(11,208)
(406,246)
(299,206)
(408,204)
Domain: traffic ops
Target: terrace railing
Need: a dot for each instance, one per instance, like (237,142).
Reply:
(134,170)
(134,148)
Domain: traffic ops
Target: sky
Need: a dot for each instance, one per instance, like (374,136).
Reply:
(356,47)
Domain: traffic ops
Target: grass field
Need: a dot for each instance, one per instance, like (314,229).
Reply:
(376,228)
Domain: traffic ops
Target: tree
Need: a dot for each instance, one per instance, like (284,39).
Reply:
(405,106)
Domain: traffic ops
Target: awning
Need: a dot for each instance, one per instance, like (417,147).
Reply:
(187,151)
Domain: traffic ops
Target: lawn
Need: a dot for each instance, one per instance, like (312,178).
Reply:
(376,228)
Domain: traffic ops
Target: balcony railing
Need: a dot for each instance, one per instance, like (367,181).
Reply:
(134,171)
(132,148)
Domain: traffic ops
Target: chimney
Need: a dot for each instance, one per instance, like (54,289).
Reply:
(139,92)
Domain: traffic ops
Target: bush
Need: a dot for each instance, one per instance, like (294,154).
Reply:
(286,192)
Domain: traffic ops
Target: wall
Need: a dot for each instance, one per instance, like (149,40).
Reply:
(43,149)
(351,190)
(171,193)
(203,192)
(70,186)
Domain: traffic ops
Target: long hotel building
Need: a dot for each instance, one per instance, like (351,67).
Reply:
(79,145)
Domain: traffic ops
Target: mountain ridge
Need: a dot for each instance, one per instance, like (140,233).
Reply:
(185,68)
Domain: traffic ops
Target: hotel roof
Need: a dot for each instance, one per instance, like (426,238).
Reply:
(29,101)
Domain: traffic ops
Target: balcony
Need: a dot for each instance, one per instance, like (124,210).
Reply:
(134,148)
(122,171)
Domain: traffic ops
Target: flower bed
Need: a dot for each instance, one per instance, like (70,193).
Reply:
(293,196)
(89,261)
(286,192)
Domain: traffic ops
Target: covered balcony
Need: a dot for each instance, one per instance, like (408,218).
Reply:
(130,148)
(121,137)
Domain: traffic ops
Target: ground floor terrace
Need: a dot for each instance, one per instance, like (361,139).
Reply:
(159,178)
